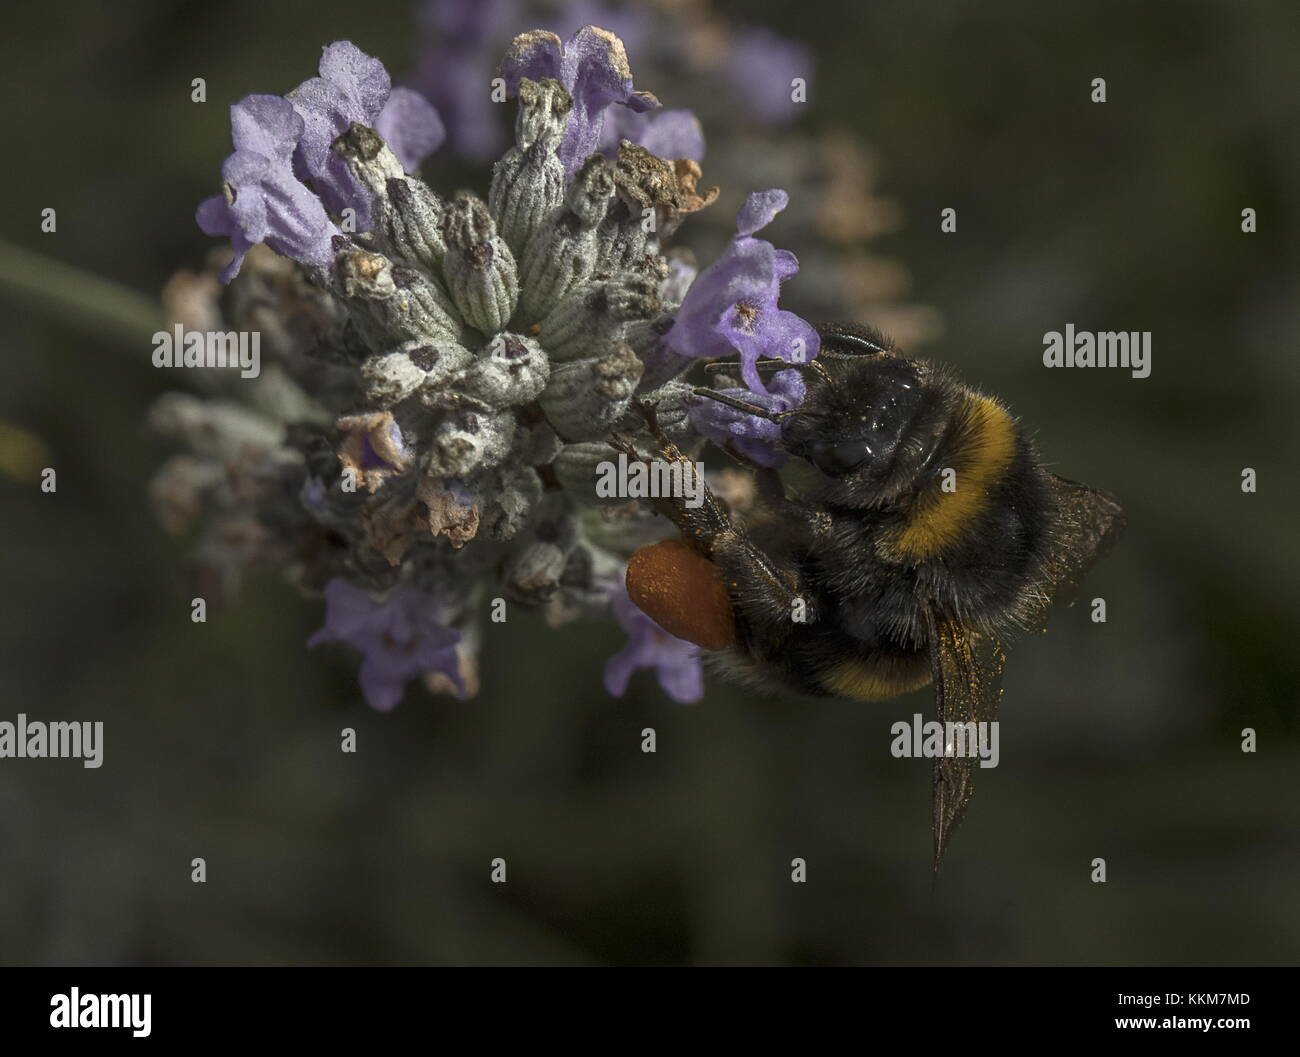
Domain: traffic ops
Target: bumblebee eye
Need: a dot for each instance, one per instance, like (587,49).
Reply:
(839,458)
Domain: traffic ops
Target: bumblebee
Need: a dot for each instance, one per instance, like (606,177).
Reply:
(926,532)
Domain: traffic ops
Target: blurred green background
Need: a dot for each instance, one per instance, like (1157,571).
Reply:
(1119,740)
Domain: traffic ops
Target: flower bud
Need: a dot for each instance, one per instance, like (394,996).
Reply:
(513,371)
(397,302)
(412,222)
(585,397)
(577,468)
(646,337)
(563,250)
(532,574)
(469,441)
(593,315)
(369,160)
(479,266)
(672,404)
(528,182)
(512,493)
(390,378)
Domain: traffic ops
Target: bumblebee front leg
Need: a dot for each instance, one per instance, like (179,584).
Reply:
(700,522)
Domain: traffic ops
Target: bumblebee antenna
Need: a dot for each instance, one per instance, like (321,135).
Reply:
(762,365)
(744,405)
(768,364)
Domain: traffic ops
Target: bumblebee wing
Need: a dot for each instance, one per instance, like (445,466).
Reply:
(967,663)
(1088,523)
(967,669)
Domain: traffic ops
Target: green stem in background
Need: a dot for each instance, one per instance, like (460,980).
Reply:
(99,305)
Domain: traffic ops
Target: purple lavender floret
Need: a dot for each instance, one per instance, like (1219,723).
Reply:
(281,143)
(352,86)
(667,133)
(593,68)
(411,127)
(748,434)
(676,662)
(264,201)
(732,305)
(761,66)
(400,639)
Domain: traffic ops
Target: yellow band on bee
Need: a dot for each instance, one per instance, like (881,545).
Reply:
(939,519)
(864,681)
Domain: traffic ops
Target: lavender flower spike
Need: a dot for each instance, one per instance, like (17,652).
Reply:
(263,201)
(449,393)
(732,305)
(675,661)
(400,639)
(593,68)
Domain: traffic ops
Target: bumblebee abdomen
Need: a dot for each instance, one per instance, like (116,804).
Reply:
(876,677)
(826,659)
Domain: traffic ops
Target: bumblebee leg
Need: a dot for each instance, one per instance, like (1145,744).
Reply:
(765,593)
(700,525)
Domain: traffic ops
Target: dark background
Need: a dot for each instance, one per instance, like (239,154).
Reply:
(1119,740)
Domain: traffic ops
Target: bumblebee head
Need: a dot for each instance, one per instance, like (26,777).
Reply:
(871,420)
(869,424)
